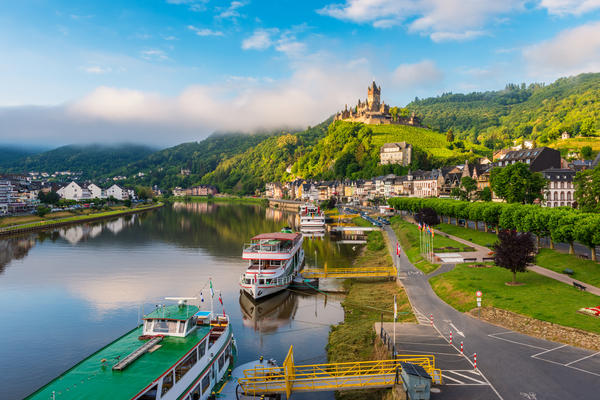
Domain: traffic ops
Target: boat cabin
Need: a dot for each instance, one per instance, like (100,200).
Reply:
(278,242)
(175,320)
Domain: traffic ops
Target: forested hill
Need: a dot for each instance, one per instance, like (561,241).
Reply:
(9,155)
(535,111)
(92,160)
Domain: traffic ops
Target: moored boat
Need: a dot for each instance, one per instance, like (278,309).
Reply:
(312,218)
(178,352)
(273,261)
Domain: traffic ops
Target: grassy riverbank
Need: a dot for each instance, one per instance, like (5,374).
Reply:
(458,287)
(52,219)
(408,235)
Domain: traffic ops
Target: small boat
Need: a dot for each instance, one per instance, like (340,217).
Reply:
(312,218)
(178,352)
(273,261)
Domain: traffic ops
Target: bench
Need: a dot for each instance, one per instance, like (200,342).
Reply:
(470,259)
(487,259)
(578,286)
(583,256)
(568,271)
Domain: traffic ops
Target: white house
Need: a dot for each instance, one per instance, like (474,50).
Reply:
(117,192)
(96,192)
(71,192)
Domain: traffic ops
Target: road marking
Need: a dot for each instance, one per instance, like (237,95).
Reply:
(456,375)
(581,359)
(515,342)
(456,329)
(548,351)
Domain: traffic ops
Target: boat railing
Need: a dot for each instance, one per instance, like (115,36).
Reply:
(266,248)
(266,281)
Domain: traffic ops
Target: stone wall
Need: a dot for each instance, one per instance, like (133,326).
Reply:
(540,329)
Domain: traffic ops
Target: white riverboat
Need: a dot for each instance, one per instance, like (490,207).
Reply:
(312,219)
(273,261)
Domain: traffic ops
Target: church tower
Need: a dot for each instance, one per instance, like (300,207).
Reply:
(373,96)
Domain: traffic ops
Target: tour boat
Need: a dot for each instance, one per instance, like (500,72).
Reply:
(273,261)
(178,352)
(311,218)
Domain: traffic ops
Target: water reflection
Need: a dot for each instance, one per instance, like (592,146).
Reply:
(87,284)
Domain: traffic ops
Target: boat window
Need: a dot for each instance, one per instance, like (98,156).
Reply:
(261,281)
(165,326)
(202,349)
(221,361)
(205,383)
(150,394)
(190,325)
(185,365)
(181,326)
(195,394)
(167,383)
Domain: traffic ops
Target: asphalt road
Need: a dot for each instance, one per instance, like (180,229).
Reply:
(516,366)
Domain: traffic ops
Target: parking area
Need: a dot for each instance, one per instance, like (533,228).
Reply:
(460,380)
(582,360)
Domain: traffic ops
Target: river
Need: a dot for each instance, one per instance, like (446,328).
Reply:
(68,292)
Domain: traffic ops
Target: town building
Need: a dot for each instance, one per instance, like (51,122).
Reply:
(560,191)
(537,159)
(396,153)
(202,190)
(117,192)
(374,111)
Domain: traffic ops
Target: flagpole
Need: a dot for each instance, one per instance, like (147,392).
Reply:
(395,315)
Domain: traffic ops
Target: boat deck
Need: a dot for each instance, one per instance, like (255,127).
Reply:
(94,379)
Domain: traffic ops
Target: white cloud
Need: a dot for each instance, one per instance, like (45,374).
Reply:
(571,52)
(231,12)
(193,5)
(97,70)
(565,7)
(260,39)
(441,19)
(154,54)
(421,74)
(204,31)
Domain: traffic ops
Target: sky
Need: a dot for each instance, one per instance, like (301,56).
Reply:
(162,72)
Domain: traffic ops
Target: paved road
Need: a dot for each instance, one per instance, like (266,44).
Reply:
(516,365)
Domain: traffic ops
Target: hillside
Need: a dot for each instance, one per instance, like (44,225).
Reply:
(92,160)
(9,155)
(536,111)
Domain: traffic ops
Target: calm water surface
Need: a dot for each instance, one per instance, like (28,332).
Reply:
(66,293)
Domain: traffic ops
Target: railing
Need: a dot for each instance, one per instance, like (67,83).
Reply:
(336,376)
(266,281)
(349,272)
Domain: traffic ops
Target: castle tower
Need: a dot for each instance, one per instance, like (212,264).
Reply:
(374,93)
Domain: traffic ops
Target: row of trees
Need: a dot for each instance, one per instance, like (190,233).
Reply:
(562,224)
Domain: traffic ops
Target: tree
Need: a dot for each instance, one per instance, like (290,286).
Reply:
(587,190)
(564,230)
(427,216)
(587,232)
(469,185)
(515,183)
(450,136)
(41,211)
(144,192)
(514,251)
(586,152)
(485,194)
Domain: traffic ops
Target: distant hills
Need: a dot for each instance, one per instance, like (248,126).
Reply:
(241,163)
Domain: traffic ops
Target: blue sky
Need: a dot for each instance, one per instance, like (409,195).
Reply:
(166,71)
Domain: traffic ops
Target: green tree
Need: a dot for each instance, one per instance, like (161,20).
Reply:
(450,136)
(586,152)
(144,192)
(587,231)
(564,230)
(394,113)
(41,211)
(587,190)
(587,127)
(469,186)
(515,183)
(485,194)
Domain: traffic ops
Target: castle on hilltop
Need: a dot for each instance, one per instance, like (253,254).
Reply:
(373,111)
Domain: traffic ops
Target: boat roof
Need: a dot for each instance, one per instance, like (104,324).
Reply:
(90,379)
(174,312)
(277,236)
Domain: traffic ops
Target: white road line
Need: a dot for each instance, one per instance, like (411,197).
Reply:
(452,379)
(579,369)
(581,359)
(456,329)
(428,352)
(548,351)
(500,333)
(468,377)
(522,344)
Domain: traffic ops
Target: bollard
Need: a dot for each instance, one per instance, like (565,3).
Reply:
(450,337)
(475,360)
(461,348)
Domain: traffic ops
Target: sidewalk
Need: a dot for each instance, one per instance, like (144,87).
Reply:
(534,268)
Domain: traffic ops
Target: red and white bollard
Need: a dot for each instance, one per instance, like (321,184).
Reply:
(475,360)
(461,348)
(450,337)
(431,319)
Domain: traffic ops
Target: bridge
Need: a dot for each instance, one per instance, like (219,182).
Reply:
(291,378)
(358,272)
(338,228)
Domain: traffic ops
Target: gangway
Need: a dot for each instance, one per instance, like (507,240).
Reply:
(291,378)
(137,353)
(357,272)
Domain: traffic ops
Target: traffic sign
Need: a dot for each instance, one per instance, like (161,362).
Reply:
(479,294)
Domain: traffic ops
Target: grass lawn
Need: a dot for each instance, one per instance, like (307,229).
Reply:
(375,253)
(541,298)
(354,339)
(585,270)
(477,237)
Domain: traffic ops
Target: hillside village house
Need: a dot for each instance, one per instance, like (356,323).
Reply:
(538,159)
(201,190)
(75,191)
(117,192)
(396,153)
(560,191)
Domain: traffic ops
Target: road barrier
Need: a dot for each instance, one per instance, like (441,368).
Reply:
(475,360)
(461,348)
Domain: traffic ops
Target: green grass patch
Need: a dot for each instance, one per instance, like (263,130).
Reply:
(541,297)
(478,237)
(354,339)
(585,270)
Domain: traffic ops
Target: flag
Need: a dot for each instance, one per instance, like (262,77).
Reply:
(201,298)
(432,233)
(397,249)
(220,299)
(419,226)
(212,292)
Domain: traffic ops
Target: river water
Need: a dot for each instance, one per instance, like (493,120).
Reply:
(68,292)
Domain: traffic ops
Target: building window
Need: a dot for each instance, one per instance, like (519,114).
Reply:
(562,195)
(569,196)
(555,196)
